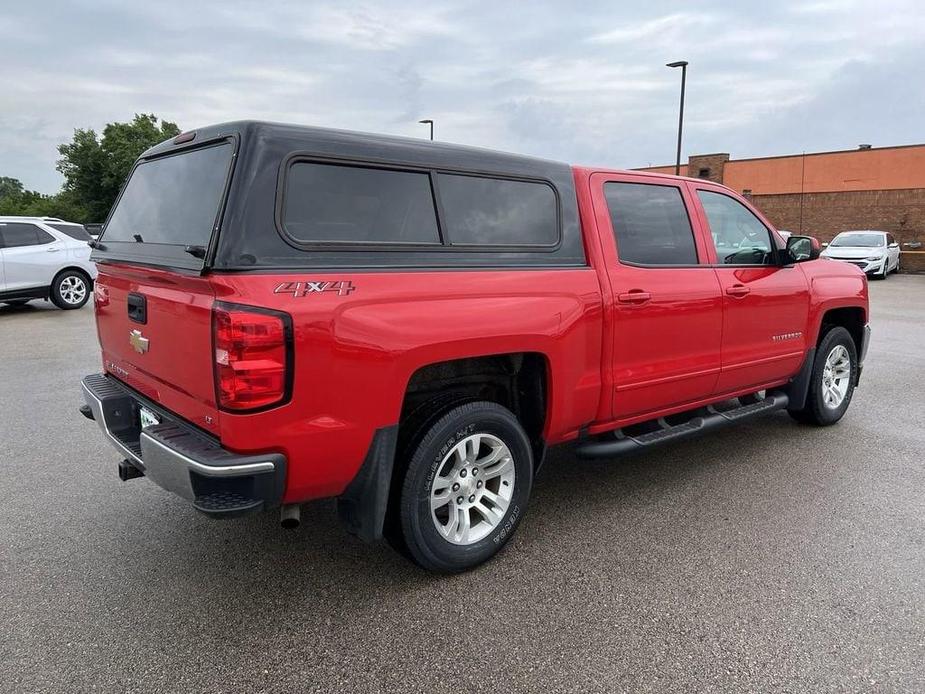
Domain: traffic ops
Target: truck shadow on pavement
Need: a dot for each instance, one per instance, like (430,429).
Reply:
(595,505)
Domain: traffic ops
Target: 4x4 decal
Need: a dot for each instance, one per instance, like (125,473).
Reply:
(297,289)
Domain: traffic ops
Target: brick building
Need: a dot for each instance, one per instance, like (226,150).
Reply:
(824,193)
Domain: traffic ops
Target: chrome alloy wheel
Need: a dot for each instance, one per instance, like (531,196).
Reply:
(472,489)
(72,289)
(836,376)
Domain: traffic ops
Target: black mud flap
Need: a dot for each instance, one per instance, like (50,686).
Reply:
(363,504)
(798,388)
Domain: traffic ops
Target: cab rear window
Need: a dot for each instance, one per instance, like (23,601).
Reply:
(172,200)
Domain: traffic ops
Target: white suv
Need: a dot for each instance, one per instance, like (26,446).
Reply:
(45,258)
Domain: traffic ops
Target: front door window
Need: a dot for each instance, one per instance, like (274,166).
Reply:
(739,236)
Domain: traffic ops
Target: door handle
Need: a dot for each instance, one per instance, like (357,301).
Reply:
(52,250)
(737,290)
(634,296)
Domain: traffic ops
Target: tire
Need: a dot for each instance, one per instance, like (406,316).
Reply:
(481,448)
(70,289)
(414,427)
(821,409)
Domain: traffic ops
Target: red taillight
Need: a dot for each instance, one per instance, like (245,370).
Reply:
(252,357)
(100,295)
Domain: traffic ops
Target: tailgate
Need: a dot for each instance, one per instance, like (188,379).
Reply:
(155,329)
(153,305)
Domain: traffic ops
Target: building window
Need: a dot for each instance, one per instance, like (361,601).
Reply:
(704,173)
(747,192)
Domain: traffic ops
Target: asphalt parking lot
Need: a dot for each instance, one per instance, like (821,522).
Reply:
(768,557)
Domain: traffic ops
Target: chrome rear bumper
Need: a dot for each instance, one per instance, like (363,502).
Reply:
(181,459)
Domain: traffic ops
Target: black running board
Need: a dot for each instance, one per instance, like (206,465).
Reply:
(712,419)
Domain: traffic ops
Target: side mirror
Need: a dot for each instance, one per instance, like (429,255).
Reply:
(893,245)
(802,248)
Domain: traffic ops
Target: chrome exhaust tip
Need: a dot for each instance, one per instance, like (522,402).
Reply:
(290,516)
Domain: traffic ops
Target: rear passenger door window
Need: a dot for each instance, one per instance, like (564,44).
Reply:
(739,236)
(15,235)
(482,211)
(650,224)
(340,204)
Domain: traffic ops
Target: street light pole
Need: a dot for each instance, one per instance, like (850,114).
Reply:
(683,65)
(428,121)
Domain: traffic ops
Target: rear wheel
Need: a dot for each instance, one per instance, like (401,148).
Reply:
(832,384)
(70,289)
(466,487)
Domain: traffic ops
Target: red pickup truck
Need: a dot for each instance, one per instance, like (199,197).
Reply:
(289,313)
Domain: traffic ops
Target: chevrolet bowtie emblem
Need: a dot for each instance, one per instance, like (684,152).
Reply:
(138,341)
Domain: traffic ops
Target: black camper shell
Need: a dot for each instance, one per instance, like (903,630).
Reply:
(281,192)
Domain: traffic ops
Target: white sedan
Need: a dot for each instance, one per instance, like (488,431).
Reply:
(42,258)
(875,252)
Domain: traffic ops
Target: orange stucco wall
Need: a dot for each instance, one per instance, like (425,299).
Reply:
(889,168)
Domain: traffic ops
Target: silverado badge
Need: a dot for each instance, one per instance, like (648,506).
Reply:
(138,341)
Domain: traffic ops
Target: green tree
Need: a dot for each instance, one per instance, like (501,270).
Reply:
(82,164)
(94,168)
(10,187)
(61,206)
(16,200)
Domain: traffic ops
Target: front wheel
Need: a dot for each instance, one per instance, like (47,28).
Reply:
(466,487)
(831,387)
(70,289)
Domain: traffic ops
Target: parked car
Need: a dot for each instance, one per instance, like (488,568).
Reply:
(875,252)
(44,258)
(291,313)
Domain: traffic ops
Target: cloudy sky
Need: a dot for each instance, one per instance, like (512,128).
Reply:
(580,82)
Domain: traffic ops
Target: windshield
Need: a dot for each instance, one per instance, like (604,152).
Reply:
(172,200)
(75,231)
(859,239)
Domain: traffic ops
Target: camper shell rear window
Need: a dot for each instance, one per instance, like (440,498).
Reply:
(170,207)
